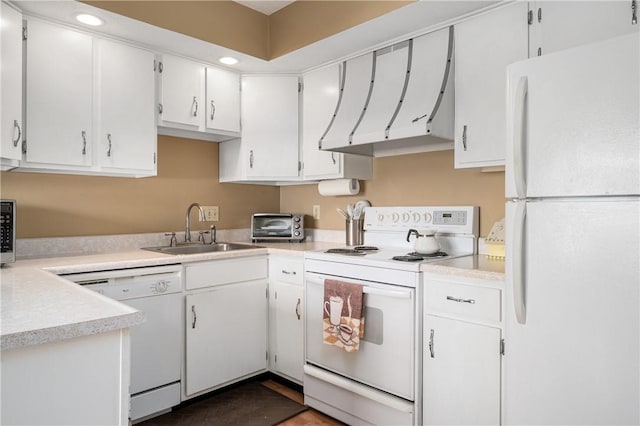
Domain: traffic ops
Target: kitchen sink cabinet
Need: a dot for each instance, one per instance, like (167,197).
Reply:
(89,104)
(268,149)
(11,88)
(558,25)
(197,101)
(484,46)
(462,347)
(286,288)
(225,329)
(320,94)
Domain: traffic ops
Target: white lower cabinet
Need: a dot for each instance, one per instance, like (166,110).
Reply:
(462,336)
(226,331)
(286,349)
(77,381)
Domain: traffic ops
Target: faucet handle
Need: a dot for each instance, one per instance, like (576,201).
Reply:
(201,235)
(174,241)
(213,232)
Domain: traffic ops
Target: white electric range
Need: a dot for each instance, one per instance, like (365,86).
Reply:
(379,384)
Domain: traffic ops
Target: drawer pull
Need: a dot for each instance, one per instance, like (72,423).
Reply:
(455,299)
(288,273)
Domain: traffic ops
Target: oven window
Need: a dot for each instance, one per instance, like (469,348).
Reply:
(272,227)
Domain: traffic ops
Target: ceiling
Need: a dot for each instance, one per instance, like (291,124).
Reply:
(265,6)
(402,23)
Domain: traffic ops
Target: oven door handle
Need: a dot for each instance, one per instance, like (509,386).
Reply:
(398,294)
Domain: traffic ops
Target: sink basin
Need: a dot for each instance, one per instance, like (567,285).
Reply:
(195,248)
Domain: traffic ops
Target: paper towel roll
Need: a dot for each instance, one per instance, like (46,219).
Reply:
(339,187)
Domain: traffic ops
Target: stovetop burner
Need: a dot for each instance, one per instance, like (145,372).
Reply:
(417,257)
(346,251)
(366,248)
(428,256)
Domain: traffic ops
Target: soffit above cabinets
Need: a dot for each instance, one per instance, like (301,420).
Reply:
(393,26)
(265,6)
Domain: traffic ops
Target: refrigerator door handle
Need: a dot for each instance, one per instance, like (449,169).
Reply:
(519,136)
(518,279)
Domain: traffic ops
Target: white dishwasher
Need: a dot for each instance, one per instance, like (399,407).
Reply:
(156,344)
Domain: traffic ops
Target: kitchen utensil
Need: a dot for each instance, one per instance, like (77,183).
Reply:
(350,208)
(426,242)
(342,213)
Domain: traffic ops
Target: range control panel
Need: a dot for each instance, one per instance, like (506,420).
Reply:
(451,220)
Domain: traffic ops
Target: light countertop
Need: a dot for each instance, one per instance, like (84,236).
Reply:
(40,307)
(478,266)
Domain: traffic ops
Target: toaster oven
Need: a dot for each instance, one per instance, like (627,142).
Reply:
(277,226)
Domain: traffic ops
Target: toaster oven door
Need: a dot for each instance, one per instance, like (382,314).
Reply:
(272,226)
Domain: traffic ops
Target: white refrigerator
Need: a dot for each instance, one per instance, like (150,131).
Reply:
(572,305)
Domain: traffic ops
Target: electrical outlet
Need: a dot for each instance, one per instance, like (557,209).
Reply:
(316,211)
(211,213)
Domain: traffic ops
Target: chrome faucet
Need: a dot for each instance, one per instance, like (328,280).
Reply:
(187,229)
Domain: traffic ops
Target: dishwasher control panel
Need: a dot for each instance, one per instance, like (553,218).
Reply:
(123,284)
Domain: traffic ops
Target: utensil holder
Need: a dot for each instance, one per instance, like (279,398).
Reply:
(354,232)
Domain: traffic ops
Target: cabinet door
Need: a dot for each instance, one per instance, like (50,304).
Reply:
(558,25)
(11,84)
(182,90)
(226,335)
(319,101)
(485,45)
(270,126)
(288,329)
(126,128)
(223,100)
(59,95)
(461,373)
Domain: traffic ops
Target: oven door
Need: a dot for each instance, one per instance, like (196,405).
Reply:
(385,359)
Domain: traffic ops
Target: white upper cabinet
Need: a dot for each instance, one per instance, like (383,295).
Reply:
(321,91)
(223,100)
(89,104)
(558,25)
(59,95)
(182,94)
(197,101)
(268,149)
(484,46)
(11,87)
(126,129)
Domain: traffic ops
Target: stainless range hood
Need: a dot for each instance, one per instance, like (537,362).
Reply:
(396,100)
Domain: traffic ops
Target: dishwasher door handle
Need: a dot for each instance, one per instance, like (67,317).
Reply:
(195,317)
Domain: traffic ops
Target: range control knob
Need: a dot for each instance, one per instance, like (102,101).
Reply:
(405,217)
(161,286)
(296,219)
(297,233)
(416,217)
(395,217)
(380,217)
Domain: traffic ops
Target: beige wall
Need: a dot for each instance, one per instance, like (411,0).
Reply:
(55,205)
(245,30)
(418,179)
(305,22)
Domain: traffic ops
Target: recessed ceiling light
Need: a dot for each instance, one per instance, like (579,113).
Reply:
(228,60)
(87,19)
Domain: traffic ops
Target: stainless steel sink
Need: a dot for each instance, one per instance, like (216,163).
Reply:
(195,248)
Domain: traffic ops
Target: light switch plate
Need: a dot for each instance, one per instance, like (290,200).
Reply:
(316,211)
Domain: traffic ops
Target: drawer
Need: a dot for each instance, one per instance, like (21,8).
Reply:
(286,270)
(470,302)
(227,271)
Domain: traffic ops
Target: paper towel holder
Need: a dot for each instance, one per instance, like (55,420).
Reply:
(338,187)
